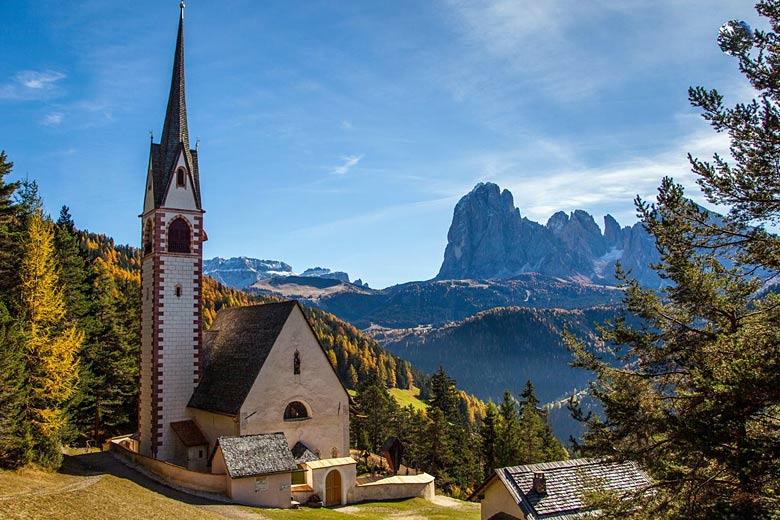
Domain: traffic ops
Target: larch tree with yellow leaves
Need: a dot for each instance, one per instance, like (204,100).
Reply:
(50,344)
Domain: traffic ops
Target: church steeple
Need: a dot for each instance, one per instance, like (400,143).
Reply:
(174,130)
(171,276)
(173,155)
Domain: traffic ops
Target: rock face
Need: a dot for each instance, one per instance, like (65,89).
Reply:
(241,272)
(322,272)
(489,239)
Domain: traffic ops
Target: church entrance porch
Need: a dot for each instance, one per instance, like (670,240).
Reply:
(333,489)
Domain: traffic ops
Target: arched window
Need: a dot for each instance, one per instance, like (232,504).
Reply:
(148,232)
(178,236)
(296,363)
(295,410)
(180,183)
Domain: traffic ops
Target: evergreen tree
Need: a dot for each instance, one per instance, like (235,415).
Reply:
(444,395)
(15,435)
(538,443)
(694,395)
(375,409)
(9,232)
(50,345)
(508,448)
(489,439)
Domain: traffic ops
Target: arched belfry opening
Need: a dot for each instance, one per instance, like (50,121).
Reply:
(178,236)
(295,410)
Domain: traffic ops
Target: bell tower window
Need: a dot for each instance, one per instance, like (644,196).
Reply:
(296,363)
(180,181)
(148,232)
(178,236)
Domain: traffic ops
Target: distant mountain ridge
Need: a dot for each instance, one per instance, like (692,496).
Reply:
(489,239)
(243,272)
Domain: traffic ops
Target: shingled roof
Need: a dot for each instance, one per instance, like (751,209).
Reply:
(303,454)
(236,348)
(175,135)
(252,455)
(189,433)
(567,482)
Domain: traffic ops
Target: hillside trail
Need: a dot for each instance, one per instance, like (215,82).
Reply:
(92,466)
(55,490)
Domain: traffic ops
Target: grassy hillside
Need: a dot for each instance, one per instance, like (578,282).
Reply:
(408,397)
(103,489)
(34,494)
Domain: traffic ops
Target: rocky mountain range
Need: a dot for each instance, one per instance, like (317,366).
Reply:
(243,272)
(490,239)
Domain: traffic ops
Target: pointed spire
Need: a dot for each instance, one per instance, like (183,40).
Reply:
(175,127)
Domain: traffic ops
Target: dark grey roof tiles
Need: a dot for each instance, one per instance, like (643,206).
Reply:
(566,482)
(236,348)
(303,454)
(252,455)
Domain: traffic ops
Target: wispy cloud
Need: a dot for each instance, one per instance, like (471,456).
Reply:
(31,84)
(53,119)
(346,125)
(348,163)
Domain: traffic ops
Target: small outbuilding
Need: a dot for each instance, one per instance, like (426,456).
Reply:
(258,468)
(554,489)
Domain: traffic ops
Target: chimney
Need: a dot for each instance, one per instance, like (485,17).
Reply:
(540,484)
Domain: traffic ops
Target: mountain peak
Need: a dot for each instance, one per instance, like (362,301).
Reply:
(488,239)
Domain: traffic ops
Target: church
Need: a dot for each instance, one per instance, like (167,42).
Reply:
(252,408)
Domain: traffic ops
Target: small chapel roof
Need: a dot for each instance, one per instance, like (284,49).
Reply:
(303,454)
(236,348)
(260,454)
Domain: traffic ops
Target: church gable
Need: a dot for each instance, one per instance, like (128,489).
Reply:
(236,348)
(180,189)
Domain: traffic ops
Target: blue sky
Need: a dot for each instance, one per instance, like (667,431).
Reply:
(342,133)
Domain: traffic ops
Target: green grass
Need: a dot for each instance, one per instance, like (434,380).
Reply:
(408,397)
(416,508)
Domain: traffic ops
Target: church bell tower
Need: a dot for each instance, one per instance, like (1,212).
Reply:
(171,275)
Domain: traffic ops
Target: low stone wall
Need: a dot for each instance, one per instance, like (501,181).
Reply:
(393,488)
(174,474)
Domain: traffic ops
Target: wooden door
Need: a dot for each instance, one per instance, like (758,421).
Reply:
(333,489)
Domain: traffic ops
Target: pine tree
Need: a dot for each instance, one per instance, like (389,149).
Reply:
(10,232)
(538,443)
(489,439)
(15,435)
(688,379)
(50,345)
(508,448)
(444,395)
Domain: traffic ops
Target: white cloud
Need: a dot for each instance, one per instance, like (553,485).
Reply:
(31,84)
(38,80)
(346,125)
(53,119)
(349,162)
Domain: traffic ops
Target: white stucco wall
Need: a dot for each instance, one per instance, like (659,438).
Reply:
(214,425)
(499,500)
(180,197)
(274,491)
(317,386)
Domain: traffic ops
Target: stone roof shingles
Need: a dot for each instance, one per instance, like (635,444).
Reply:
(236,348)
(303,454)
(566,482)
(252,455)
